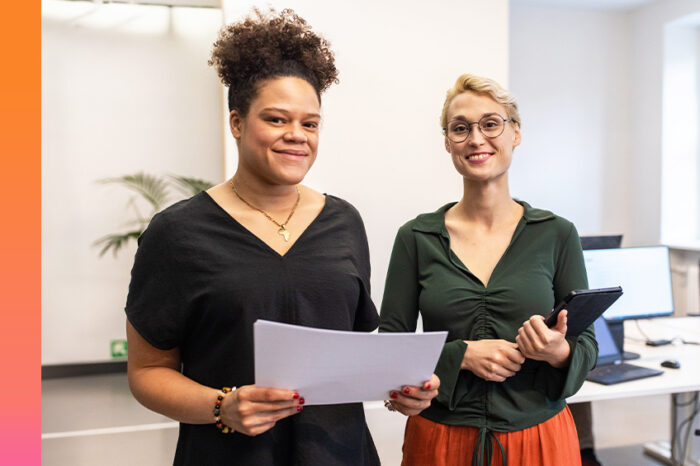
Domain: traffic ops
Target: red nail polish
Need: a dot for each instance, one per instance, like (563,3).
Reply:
(299,408)
(407,390)
(427,386)
(302,400)
(394,395)
(295,396)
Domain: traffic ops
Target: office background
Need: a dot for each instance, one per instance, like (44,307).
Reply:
(608,93)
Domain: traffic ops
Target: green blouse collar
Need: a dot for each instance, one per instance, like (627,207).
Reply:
(434,222)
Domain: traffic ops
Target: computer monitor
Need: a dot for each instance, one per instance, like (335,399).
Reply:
(645,277)
(601,241)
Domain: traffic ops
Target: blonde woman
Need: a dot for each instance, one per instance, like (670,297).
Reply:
(487,269)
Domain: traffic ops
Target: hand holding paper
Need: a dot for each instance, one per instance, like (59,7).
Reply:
(329,367)
(411,400)
(253,410)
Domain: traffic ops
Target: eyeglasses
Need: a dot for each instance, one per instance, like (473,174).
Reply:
(491,126)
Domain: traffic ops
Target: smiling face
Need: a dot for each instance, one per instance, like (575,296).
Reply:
(480,158)
(278,139)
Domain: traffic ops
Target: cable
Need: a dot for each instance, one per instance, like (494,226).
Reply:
(683,405)
(660,342)
(688,422)
(677,440)
(639,327)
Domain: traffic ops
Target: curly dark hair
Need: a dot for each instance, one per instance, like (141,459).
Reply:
(266,46)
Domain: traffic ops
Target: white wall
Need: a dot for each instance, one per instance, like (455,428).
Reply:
(590,86)
(381,145)
(679,209)
(646,97)
(124,89)
(568,71)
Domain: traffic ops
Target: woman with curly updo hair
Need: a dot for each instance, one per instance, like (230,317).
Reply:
(258,246)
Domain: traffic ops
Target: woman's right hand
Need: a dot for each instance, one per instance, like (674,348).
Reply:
(253,410)
(492,360)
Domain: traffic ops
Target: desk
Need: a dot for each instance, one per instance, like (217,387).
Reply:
(673,381)
(685,379)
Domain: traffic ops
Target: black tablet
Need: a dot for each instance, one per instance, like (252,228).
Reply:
(584,307)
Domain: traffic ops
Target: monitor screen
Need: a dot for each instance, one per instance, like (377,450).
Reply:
(644,275)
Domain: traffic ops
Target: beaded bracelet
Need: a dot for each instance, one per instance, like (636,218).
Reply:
(389,406)
(217,411)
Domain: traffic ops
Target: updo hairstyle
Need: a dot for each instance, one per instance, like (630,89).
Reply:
(266,46)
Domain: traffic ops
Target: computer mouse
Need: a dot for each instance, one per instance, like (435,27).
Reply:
(671,364)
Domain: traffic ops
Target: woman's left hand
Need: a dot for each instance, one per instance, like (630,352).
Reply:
(411,400)
(537,341)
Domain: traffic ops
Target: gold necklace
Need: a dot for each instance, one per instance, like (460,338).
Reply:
(282,226)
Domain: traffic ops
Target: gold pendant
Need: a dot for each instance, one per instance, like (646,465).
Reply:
(284,232)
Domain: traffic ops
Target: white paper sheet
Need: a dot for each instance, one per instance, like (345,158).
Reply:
(328,367)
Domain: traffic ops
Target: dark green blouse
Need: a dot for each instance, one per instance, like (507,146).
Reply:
(542,263)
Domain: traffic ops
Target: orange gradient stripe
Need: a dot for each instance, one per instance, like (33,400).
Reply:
(20,233)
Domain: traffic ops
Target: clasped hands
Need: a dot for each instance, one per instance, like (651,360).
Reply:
(496,360)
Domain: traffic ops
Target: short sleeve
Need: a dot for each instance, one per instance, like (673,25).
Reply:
(366,316)
(155,305)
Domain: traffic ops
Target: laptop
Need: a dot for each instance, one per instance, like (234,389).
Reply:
(610,369)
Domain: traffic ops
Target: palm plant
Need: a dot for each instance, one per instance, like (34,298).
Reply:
(156,191)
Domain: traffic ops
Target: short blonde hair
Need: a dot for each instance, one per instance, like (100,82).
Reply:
(485,86)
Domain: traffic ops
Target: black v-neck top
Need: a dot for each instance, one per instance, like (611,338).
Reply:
(199,282)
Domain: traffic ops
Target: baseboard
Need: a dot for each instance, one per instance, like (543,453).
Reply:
(55,371)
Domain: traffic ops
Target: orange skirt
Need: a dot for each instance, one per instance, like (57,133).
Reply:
(553,442)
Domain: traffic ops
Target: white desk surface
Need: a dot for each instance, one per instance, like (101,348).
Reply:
(685,379)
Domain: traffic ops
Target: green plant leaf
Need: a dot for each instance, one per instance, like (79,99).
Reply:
(155,190)
(116,242)
(190,186)
(151,188)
